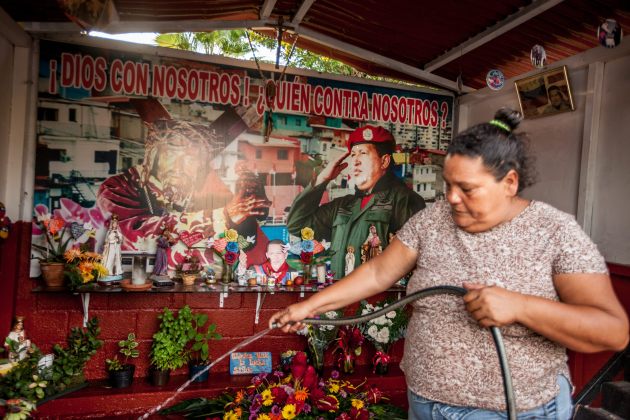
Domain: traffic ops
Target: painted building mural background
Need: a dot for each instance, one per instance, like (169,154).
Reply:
(161,142)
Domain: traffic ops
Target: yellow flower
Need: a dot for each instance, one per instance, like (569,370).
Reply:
(230,415)
(231,235)
(101,269)
(333,387)
(87,277)
(267,398)
(358,404)
(307,234)
(263,417)
(288,412)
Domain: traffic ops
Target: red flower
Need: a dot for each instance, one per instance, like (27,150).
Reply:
(316,394)
(231,257)
(310,378)
(298,365)
(374,395)
(327,403)
(361,414)
(343,416)
(279,395)
(306,257)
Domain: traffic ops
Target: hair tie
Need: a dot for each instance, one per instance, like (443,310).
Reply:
(502,125)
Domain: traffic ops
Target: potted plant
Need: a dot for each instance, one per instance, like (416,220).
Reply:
(57,238)
(121,373)
(197,349)
(169,344)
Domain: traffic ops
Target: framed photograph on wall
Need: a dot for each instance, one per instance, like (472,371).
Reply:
(546,93)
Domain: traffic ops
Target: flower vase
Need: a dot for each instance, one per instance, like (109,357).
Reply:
(316,350)
(228,274)
(307,273)
(380,363)
(53,273)
(348,364)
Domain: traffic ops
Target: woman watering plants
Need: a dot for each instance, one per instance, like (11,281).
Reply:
(527,267)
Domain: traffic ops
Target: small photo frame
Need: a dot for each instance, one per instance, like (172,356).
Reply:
(544,94)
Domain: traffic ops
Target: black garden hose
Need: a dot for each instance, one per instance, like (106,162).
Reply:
(437,290)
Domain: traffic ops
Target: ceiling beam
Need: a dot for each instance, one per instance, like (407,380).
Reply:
(267,8)
(379,59)
(299,15)
(523,15)
(121,27)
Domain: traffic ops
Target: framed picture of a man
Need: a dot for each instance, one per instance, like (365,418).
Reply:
(544,94)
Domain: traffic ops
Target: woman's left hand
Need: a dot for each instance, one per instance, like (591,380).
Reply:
(492,306)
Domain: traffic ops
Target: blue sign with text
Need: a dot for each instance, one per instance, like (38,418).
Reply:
(250,363)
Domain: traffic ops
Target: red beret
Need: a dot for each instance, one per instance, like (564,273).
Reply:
(370,134)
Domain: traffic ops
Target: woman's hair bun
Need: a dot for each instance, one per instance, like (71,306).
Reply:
(509,116)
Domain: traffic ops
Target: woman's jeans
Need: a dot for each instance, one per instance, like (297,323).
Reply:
(558,408)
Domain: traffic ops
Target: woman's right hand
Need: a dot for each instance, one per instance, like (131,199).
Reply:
(289,319)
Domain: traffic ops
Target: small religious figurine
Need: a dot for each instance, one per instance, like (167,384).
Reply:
(18,335)
(164,242)
(349,260)
(112,259)
(372,246)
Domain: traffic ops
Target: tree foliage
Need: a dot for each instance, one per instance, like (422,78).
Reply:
(234,43)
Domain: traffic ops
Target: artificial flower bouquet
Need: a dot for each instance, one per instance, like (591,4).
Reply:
(320,337)
(83,267)
(309,251)
(349,342)
(228,245)
(383,331)
(297,393)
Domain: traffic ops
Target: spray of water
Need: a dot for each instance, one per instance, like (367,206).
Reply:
(188,382)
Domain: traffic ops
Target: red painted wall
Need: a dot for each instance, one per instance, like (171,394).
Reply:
(49,316)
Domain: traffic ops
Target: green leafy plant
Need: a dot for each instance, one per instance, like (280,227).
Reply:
(82,344)
(26,381)
(169,342)
(128,348)
(23,380)
(198,350)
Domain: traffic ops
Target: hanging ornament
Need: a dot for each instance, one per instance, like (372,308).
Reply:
(495,79)
(538,56)
(609,33)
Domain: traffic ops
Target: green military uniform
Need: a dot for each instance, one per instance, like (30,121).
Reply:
(343,222)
